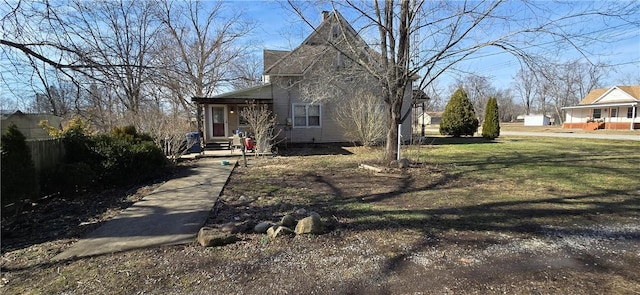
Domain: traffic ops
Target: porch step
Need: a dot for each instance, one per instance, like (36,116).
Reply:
(594,126)
(217,145)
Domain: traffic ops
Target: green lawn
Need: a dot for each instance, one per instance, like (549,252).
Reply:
(509,184)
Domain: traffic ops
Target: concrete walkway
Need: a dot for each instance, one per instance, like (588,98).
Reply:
(172,214)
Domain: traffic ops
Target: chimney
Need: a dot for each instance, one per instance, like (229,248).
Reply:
(325,15)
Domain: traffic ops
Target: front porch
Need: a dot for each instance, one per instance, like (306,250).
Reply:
(219,116)
(222,154)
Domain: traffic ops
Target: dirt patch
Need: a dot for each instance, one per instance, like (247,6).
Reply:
(386,234)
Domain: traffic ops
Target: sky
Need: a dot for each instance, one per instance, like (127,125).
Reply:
(281,29)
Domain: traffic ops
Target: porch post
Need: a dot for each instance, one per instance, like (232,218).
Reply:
(571,119)
(633,116)
(199,120)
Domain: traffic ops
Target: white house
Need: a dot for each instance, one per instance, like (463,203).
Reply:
(606,108)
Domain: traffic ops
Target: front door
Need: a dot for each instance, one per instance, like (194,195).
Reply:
(219,125)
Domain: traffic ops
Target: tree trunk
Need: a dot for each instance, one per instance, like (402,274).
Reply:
(395,118)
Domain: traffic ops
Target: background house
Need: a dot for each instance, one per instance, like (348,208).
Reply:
(606,108)
(28,124)
(304,87)
(536,120)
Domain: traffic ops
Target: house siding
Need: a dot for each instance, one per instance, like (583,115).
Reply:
(615,95)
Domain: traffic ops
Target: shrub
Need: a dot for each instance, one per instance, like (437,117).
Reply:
(459,117)
(491,124)
(125,161)
(92,162)
(19,181)
(71,178)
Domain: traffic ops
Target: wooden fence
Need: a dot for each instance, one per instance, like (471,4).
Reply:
(46,154)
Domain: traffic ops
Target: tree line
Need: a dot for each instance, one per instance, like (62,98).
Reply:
(119,63)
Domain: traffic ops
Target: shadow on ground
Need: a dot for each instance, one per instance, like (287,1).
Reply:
(313,149)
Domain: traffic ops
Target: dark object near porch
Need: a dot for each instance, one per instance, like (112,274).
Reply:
(194,139)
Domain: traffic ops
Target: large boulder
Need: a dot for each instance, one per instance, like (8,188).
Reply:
(209,237)
(280,231)
(310,225)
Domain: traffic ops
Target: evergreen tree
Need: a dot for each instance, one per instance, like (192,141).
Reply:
(491,124)
(459,117)
(18,172)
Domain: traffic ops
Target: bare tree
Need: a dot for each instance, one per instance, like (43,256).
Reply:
(246,72)
(262,123)
(99,39)
(363,118)
(567,83)
(451,32)
(525,81)
(203,44)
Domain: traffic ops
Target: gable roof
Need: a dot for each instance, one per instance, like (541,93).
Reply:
(297,61)
(633,90)
(597,94)
(593,95)
(270,57)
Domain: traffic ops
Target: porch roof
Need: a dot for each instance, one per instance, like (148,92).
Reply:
(602,105)
(261,93)
(213,100)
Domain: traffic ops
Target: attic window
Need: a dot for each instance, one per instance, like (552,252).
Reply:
(335,31)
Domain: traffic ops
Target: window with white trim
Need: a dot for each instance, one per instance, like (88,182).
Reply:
(614,113)
(630,112)
(306,115)
(597,113)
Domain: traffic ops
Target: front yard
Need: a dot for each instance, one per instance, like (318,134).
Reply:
(519,215)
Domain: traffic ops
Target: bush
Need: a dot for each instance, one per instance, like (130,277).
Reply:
(19,181)
(491,124)
(125,161)
(93,162)
(71,178)
(459,117)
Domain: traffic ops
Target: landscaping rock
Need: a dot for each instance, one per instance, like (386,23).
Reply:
(279,231)
(310,225)
(403,163)
(288,221)
(229,227)
(209,237)
(300,211)
(262,227)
